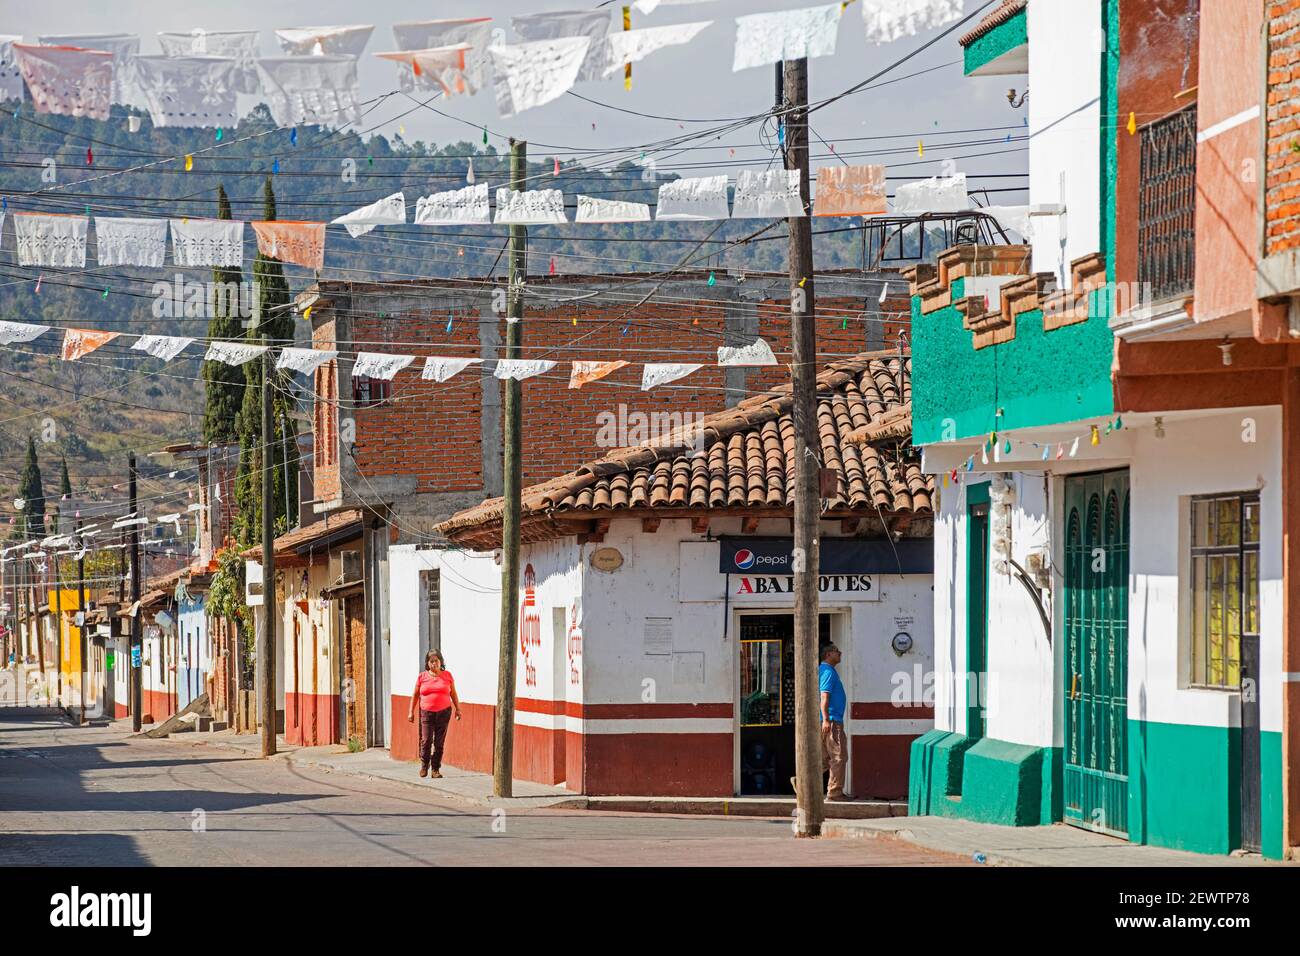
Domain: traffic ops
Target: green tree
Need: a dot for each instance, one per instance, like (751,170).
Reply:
(65,484)
(276,325)
(223,384)
(33,495)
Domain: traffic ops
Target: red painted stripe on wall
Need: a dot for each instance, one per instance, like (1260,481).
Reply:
(888,710)
(620,711)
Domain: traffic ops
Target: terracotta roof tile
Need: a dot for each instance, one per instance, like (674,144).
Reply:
(994,19)
(741,459)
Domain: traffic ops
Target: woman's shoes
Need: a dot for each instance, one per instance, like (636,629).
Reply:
(424,771)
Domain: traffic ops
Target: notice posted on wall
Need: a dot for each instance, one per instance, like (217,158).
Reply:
(658,636)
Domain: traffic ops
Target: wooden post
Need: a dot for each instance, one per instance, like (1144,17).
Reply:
(503,740)
(266,646)
(807,495)
(137,636)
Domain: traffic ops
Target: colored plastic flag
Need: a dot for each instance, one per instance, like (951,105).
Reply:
(79,342)
(584,373)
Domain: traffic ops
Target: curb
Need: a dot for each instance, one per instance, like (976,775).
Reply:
(839,831)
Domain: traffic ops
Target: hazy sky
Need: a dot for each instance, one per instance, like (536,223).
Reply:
(693,81)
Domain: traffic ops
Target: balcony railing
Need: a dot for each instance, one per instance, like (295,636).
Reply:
(1167,206)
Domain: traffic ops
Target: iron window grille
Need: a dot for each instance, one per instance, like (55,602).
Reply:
(1167,206)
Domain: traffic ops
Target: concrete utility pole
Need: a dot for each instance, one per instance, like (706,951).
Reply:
(503,741)
(137,636)
(81,607)
(807,447)
(266,646)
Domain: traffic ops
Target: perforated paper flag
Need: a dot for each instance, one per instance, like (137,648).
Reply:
(66,80)
(207,242)
(593,209)
(321,41)
(302,243)
(379,365)
(439,369)
(454,208)
(305,361)
(592,25)
(850,191)
(520,369)
(766,38)
(79,342)
(476,33)
(444,68)
(165,347)
(239,45)
(11,78)
(51,240)
(632,46)
(661,374)
(650,6)
(130,242)
(527,75)
(1015,218)
(530,207)
(704,197)
(11,332)
(232,353)
(388,211)
(767,194)
(757,352)
(887,20)
(125,47)
(194,91)
(937,194)
(311,90)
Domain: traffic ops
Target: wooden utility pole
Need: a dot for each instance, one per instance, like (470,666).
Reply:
(266,646)
(503,741)
(81,609)
(807,447)
(137,636)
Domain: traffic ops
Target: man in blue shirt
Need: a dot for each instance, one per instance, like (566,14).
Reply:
(833,702)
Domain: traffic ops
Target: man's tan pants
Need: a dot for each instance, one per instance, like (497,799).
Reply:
(834,758)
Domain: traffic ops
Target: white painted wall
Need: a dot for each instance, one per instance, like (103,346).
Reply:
(1197,456)
(1065,51)
(321,614)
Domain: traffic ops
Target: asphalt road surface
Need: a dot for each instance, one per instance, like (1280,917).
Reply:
(91,796)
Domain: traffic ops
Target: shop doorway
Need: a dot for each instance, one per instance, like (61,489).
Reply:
(766,703)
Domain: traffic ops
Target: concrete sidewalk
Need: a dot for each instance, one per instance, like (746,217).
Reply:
(1056,845)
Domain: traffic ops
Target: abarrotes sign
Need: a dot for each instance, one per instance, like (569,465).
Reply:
(764,567)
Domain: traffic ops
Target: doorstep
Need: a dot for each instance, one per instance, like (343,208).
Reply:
(749,806)
(1056,845)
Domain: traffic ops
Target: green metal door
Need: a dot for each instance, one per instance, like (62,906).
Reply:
(1096,649)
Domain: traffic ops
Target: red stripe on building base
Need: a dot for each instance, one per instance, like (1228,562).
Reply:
(888,710)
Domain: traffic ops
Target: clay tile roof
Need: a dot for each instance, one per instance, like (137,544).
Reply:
(738,459)
(296,540)
(998,16)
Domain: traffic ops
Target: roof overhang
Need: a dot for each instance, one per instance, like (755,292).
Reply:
(1000,50)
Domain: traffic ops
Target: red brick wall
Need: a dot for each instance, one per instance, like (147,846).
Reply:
(433,431)
(1282,189)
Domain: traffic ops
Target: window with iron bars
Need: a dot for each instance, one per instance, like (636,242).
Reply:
(1167,206)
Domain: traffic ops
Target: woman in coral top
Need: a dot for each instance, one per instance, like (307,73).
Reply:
(435,690)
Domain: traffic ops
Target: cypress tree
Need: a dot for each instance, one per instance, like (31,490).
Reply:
(65,485)
(223,384)
(33,495)
(272,291)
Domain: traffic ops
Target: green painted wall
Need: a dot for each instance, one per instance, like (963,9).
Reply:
(1001,39)
(1109,132)
(1185,787)
(986,780)
(1038,378)
(935,771)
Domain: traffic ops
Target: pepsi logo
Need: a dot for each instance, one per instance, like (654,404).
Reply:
(744,559)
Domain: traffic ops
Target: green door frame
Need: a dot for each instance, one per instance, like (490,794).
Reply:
(977,606)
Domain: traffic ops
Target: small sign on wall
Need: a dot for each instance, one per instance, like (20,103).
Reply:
(658,636)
